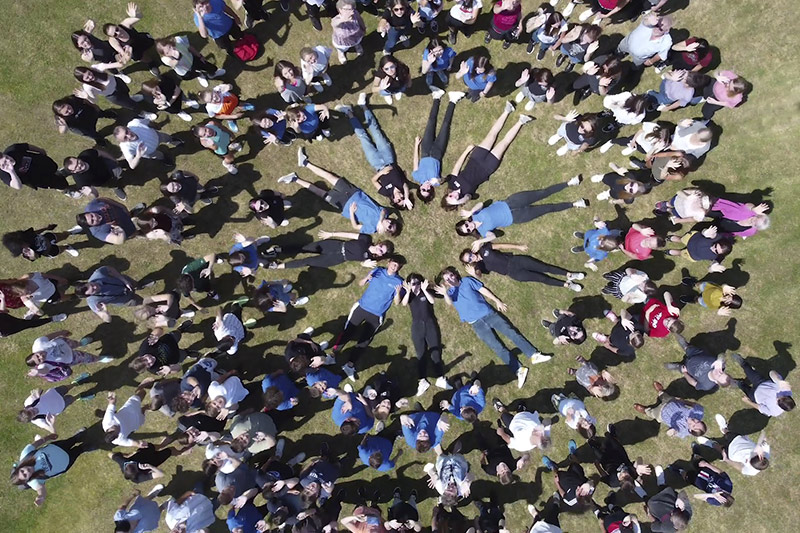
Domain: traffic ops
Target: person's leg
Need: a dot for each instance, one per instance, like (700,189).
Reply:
(752,375)
(501,147)
(550,513)
(501,324)
(10,325)
(708,110)
(440,145)
(122,97)
(382,144)
(486,333)
(505,418)
(330,177)
(367,146)
(491,137)
(392,36)
(429,137)
(525,198)
(525,214)
(418,340)
(433,338)
(528,269)
(372,324)
(354,319)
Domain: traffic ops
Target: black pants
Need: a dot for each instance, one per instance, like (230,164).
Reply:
(520,204)
(507,36)
(314,11)
(609,453)
(549,514)
(227,41)
(73,447)
(255,8)
(435,145)
(329,254)
(10,324)
(755,380)
(526,268)
(427,341)
(122,97)
(456,25)
(200,67)
(369,326)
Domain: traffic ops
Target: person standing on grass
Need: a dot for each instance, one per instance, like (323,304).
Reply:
(649,43)
(479,76)
(185,61)
(138,514)
(35,243)
(197,276)
(26,164)
(462,17)
(771,396)
(614,466)
(130,43)
(383,289)
(626,336)
(700,369)
(53,355)
(365,215)
(722,298)
(567,329)
(96,83)
(579,132)
(106,286)
(139,140)
(280,392)
(190,513)
(537,86)
(348,30)
(314,66)
(484,160)
(350,413)
(469,297)
(425,332)
(523,431)
(392,79)
(376,453)
(451,477)
(396,23)
(217,138)
(683,417)
(42,407)
(228,329)
(92,168)
(506,23)
(119,424)
(425,430)
(669,510)
(437,59)
(216,20)
(632,286)
(573,486)
(80,117)
(659,318)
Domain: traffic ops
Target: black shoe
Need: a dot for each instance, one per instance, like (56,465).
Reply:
(686,300)
(397,494)
(434,26)
(488,38)
(324,449)
(453,37)
(457,446)
(361,493)
(506,45)
(638,163)
(531,46)
(316,23)
(689,281)
(185,325)
(421,29)
(285,5)
(570,67)
(413,494)
(612,430)
(545,324)
(541,54)
(497,404)
(560,60)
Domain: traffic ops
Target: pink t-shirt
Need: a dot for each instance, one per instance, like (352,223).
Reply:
(505,20)
(633,243)
(721,93)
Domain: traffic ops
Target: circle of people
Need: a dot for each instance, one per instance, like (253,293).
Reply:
(236,424)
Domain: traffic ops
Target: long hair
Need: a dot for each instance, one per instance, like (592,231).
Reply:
(29,460)
(481,62)
(98,75)
(282,64)
(636,104)
(15,242)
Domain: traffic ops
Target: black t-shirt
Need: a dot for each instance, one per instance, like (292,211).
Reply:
(165,350)
(386,389)
(275,206)
(570,480)
(398,81)
(576,137)
(421,308)
(536,88)
(100,169)
(619,338)
(494,261)
(298,347)
(562,323)
(401,22)
(497,455)
(102,51)
(34,169)
(358,249)
(139,42)
(84,115)
(275,470)
(616,184)
(394,179)
(188,191)
(699,247)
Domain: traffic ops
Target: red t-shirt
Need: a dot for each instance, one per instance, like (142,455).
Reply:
(633,243)
(694,58)
(505,20)
(654,314)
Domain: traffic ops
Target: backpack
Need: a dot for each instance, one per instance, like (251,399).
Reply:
(247,47)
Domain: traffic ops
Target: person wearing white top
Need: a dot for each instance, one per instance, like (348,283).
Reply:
(575,415)
(224,395)
(524,431)
(140,140)
(314,65)
(228,330)
(547,520)
(649,42)
(746,456)
(628,109)
(692,137)
(194,511)
(119,424)
(41,408)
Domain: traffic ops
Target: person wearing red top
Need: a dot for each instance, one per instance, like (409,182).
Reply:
(506,22)
(693,54)
(640,241)
(660,318)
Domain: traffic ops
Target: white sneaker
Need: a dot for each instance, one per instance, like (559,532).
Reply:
(659,471)
(586,15)
(388,99)
(186,117)
(137,97)
(362,99)
(422,386)
(721,422)
(455,96)
(308,331)
(149,116)
(509,107)
(218,73)
(519,97)
(524,119)
(155,491)
(319,137)
(350,370)
(705,441)
(347,388)
(597,178)
(203,81)
(522,375)
(606,147)
(105,359)
(191,103)
(343,108)
(398,96)
(605,195)
(628,150)
(529,105)
(75,230)
(329,359)
(572,276)
(540,358)
(280,447)
(562,151)
(71,251)
(61,317)
(581,203)
(231,168)
(317,87)
(302,158)
(553,139)
(442,383)
(303,300)
(574,181)
(437,93)
(574,287)
(568,10)
(124,77)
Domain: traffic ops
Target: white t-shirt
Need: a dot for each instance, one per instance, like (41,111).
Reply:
(44,288)
(231,389)
(462,14)
(50,403)
(543,527)
(230,326)
(196,512)
(522,426)
(146,136)
(323,56)
(742,449)
(650,145)
(129,419)
(680,141)
(56,350)
(579,409)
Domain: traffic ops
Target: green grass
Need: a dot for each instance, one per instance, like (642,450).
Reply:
(755,152)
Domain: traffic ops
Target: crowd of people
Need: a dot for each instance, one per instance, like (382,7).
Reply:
(236,424)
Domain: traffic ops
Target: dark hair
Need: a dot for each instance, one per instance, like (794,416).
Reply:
(506,477)
(677,326)
(149,87)
(209,467)
(179,404)
(587,432)
(608,243)
(591,118)
(423,446)
(786,403)
(448,499)
(226,496)
(463,232)
(680,519)
(15,242)
(461,256)
(58,103)
(99,75)
(138,364)
(636,339)
(433,43)
(636,104)
(552,23)
(211,409)
(650,288)
(611,68)
(696,80)
(397,225)
(735,303)
(350,427)
(660,242)
(469,414)
(29,460)
(273,397)
(111,434)
(122,526)
(699,431)
(402,73)
(130,471)
(261,115)
(444,204)
(541,75)
(426,199)
(185,283)
(659,133)
(80,33)
(480,62)
(726,245)
(282,64)
(376,460)
(80,219)
(81,289)
(452,270)
(759,463)
(299,363)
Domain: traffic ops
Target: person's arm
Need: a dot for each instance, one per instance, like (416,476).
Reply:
(417,143)
(689,379)
(155,473)
(669,302)
(8,167)
(101,312)
(461,159)
(425,292)
(441,290)
(137,157)
(489,295)
(376,178)
(396,298)
(353,221)
(406,294)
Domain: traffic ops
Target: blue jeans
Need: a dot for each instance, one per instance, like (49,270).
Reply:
(392,37)
(488,327)
(441,74)
(661,96)
(377,148)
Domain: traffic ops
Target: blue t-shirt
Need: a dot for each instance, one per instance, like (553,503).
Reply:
(470,304)
(285,385)
(311,123)
(427,421)
(378,296)
(278,128)
(591,241)
(368,213)
(443,62)
(217,22)
(315,375)
(377,444)
(246,518)
(356,411)
(251,256)
(496,215)
(462,398)
(429,168)
(479,81)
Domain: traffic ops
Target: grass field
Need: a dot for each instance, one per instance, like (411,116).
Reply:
(755,153)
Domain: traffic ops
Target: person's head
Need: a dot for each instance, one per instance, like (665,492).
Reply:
(202,132)
(264,120)
(122,526)
(309,55)
(662,25)
(388,64)
(346,8)
(415,281)
(75,165)
(659,134)
(731,301)
(449,497)
(584,493)
(467,228)
(674,324)
(376,460)
(611,68)
(704,135)
(590,33)
(171,187)
(142,363)
(166,47)
(542,76)
(27,414)
(504,474)
(273,397)
(26,471)
(696,80)
(390,226)
(86,289)
(181,403)
(586,429)
(481,65)
(286,70)
(89,76)
(111,434)
(380,249)
(382,410)
(81,40)
(423,443)
(185,284)
(451,276)
(696,427)
(553,23)
(393,265)
(115,30)
(397,7)
(636,339)
(630,188)
(210,466)
(737,85)
(426,192)
(453,199)
(469,414)
(680,519)
(722,247)
(350,426)
(655,242)
(215,406)
(587,124)
(576,333)
(210,97)
(240,442)
(130,470)
(636,104)
(603,389)
(435,47)
(124,134)
(468,257)
(759,461)
(16,243)
(143,312)
(63,108)
(609,243)
(786,403)
(203,7)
